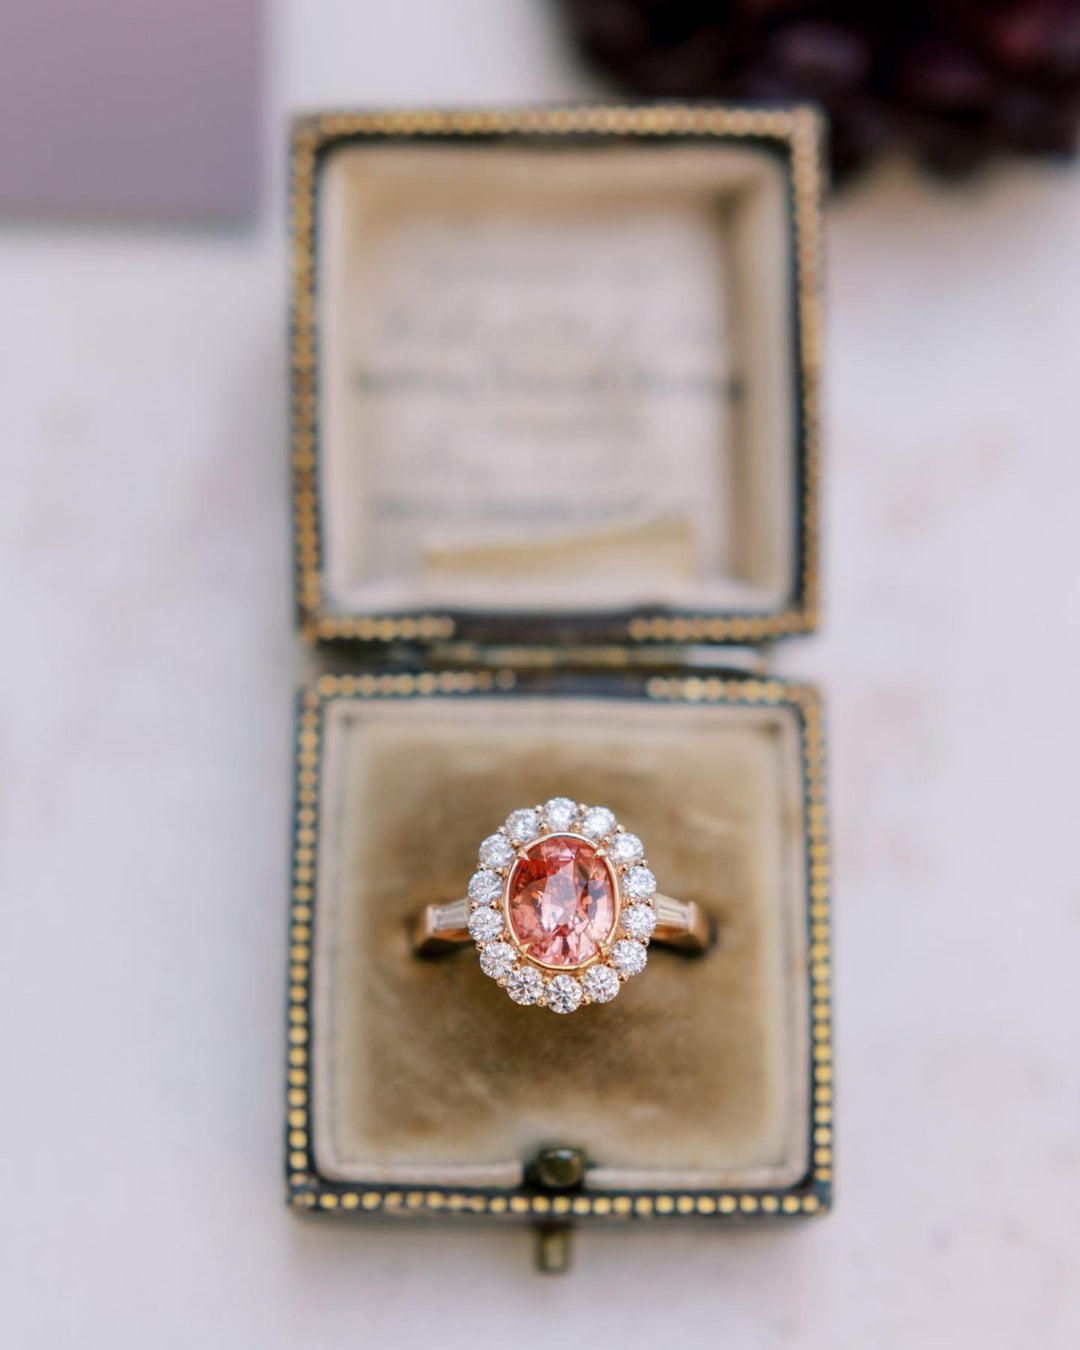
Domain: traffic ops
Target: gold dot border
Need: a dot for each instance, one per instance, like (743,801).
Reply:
(797,129)
(307,1190)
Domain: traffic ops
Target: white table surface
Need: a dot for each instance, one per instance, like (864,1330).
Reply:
(145,746)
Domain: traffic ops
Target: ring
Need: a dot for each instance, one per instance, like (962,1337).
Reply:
(563,908)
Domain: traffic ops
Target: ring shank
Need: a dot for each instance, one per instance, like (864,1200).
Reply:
(681,925)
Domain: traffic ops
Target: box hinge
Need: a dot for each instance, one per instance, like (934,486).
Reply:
(659,659)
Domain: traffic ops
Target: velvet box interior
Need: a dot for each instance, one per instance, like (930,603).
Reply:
(557,378)
(551,378)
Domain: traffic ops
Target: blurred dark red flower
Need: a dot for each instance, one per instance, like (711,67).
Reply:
(955,82)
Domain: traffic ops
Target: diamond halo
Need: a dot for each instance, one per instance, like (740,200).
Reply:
(562,905)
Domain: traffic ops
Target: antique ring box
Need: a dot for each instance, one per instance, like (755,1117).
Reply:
(554,452)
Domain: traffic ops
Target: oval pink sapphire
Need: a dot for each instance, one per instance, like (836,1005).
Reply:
(561,901)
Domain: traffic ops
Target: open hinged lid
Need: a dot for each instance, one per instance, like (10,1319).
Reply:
(555,374)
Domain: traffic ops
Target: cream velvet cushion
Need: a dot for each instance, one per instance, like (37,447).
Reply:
(425,1071)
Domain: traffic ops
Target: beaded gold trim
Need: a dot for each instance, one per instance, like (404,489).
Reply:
(307,1190)
(797,129)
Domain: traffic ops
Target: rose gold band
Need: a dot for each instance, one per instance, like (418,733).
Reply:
(681,924)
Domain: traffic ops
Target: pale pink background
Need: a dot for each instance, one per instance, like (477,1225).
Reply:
(147,676)
(131,109)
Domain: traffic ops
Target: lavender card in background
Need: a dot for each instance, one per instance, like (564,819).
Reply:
(130,109)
